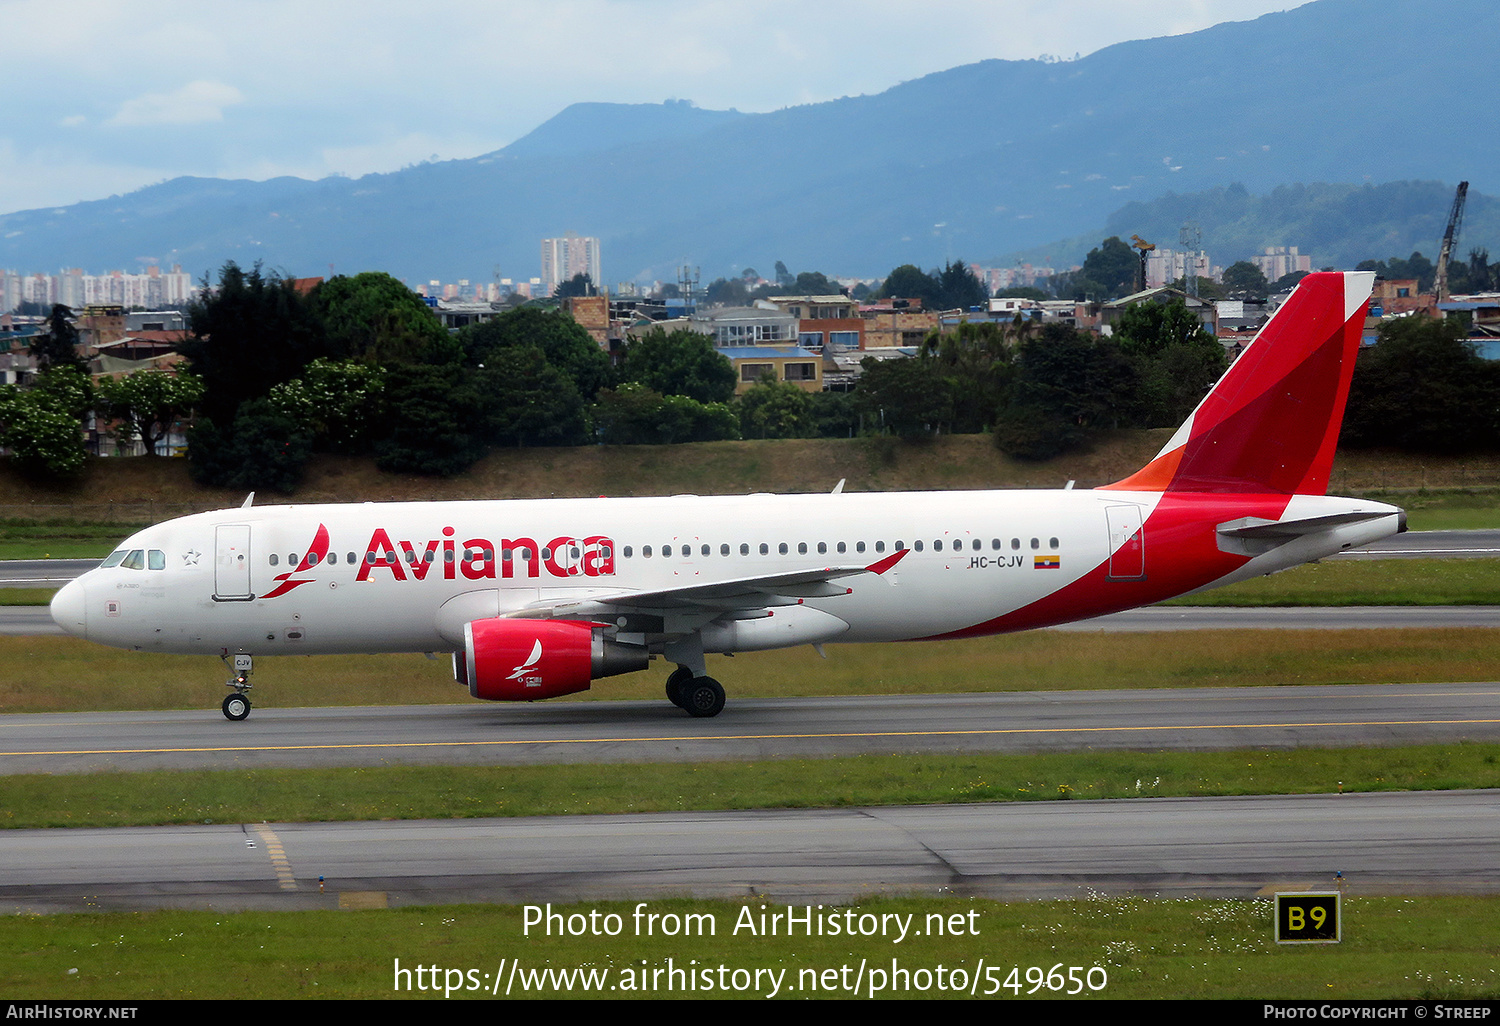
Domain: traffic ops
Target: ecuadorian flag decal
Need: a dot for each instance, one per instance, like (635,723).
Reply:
(1046,562)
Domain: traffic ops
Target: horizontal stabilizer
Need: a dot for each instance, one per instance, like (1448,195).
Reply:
(1252,536)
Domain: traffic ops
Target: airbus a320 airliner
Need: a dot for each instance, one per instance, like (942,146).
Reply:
(539,598)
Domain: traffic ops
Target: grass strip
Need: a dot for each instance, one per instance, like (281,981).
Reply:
(26,596)
(1375,582)
(61,674)
(1393,948)
(456,792)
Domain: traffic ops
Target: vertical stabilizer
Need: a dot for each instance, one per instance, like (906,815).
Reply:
(1272,422)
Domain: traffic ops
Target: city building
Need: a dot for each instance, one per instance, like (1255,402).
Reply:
(831,321)
(1164,266)
(565,258)
(1279,261)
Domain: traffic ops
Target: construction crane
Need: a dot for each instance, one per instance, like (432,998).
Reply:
(1145,247)
(1455,216)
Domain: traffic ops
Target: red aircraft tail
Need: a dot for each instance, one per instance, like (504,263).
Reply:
(1272,422)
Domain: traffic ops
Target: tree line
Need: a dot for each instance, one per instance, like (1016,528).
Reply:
(361,366)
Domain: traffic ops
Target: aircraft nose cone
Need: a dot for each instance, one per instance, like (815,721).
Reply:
(70,609)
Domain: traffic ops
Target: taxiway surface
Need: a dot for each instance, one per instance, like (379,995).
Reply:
(1405,842)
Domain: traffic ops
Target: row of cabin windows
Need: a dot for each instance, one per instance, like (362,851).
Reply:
(409,556)
(782,548)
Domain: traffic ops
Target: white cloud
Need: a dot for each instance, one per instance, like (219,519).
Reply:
(321,86)
(193,104)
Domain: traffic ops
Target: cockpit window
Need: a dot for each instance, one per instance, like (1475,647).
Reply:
(135,560)
(113,559)
(156,559)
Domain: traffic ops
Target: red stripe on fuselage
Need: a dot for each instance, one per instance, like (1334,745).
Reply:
(1182,553)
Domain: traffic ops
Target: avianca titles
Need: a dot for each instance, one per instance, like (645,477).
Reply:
(539,598)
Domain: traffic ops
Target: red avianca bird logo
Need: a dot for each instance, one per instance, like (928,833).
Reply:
(315,555)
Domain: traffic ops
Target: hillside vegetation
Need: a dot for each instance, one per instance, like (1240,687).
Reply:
(143,488)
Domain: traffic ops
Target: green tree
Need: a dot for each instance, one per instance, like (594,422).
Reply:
(775,409)
(528,401)
(437,422)
(679,363)
(910,398)
(1423,388)
(816,283)
(1108,271)
(262,450)
(1068,385)
(976,363)
(376,319)
(42,434)
(1244,280)
(634,414)
(960,288)
(1415,266)
(340,402)
(254,331)
(911,282)
(727,292)
(147,403)
(58,345)
(559,338)
(68,388)
(833,415)
(581,284)
(1287,282)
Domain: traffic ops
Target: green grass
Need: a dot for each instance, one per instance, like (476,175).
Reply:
(26,596)
(60,538)
(449,792)
(60,674)
(1374,582)
(1393,948)
(1459,509)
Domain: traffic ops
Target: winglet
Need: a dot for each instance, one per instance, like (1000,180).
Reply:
(888,562)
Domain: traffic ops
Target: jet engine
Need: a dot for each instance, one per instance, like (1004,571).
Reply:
(523,660)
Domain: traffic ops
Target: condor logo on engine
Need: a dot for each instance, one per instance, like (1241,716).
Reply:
(524,660)
(526,674)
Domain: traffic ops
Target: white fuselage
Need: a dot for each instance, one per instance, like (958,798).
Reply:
(406,577)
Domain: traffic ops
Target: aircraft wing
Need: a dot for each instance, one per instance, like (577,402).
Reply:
(713,598)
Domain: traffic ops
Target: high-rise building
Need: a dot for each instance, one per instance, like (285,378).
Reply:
(1280,261)
(571,255)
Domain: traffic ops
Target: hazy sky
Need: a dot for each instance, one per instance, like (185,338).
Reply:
(105,96)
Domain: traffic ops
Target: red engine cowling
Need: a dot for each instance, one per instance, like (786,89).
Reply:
(524,660)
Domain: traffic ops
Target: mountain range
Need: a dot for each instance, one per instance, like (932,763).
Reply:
(982,162)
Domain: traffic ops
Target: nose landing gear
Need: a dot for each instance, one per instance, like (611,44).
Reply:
(237,706)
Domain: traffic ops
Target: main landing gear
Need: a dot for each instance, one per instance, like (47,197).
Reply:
(698,696)
(237,706)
